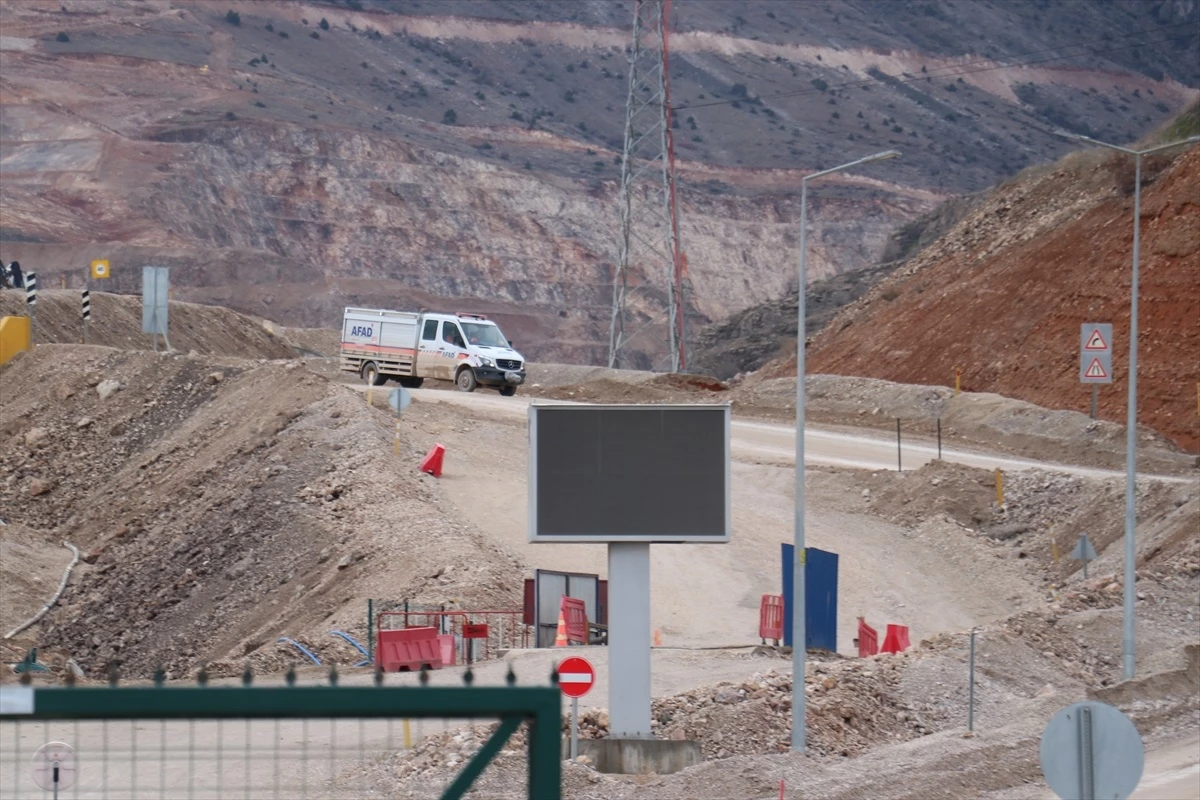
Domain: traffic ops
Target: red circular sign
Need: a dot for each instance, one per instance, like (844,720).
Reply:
(576,676)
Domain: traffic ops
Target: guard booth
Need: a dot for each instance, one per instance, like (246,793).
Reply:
(820,598)
(543,597)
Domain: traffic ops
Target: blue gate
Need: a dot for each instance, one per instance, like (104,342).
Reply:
(820,598)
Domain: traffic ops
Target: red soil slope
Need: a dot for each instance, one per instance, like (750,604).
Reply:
(1010,317)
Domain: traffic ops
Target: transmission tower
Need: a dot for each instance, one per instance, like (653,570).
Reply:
(649,239)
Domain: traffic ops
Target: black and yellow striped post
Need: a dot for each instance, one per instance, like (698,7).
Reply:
(85,309)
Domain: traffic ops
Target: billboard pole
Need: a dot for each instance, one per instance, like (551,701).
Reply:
(629,640)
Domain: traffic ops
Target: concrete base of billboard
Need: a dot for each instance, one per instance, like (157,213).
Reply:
(640,756)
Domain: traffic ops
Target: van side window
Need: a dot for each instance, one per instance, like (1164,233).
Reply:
(450,334)
(430,331)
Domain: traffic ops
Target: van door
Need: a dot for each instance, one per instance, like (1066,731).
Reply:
(452,349)
(427,361)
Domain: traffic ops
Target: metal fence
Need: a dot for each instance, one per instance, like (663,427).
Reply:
(288,741)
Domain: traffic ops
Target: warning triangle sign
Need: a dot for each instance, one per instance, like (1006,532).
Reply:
(1095,370)
(1096,341)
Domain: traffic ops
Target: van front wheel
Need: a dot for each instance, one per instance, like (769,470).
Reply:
(466,380)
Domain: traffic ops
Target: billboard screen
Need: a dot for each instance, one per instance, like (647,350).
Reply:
(629,473)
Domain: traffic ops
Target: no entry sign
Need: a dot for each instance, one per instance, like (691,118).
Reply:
(576,677)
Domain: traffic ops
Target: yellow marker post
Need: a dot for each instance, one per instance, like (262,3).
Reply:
(957,381)
(369,395)
(999,487)
(396,447)
(407,735)
(1054,549)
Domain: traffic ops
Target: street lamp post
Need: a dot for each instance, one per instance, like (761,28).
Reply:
(798,559)
(1127,638)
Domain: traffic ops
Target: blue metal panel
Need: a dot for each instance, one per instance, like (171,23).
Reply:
(820,583)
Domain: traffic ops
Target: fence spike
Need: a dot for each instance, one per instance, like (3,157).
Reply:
(202,675)
(69,678)
(511,677)
(554,673)
(378,676)
(469,676)
(160,677)
(114,673)
(25,678)
(424,676)
(333,675)
(247,675)
(290,677)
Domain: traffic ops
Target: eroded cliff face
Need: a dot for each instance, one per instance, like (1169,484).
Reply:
(287,168)
(296,222)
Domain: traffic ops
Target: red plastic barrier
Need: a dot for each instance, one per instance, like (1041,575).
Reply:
(770,618)
(868,639)
(432,462)
(574,611)
(896,639)
(411,649)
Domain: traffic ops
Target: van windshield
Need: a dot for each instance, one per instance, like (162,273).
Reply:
(482,335)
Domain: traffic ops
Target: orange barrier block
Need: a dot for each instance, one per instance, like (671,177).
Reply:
(574,612)
(896,639)
(770,618)
(432,462)
(868,639)
(411,649)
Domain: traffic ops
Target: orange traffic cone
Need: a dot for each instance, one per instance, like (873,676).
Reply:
(560,636)
(657,638)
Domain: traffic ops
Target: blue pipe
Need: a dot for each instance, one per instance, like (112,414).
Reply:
(301,648)
(357,646)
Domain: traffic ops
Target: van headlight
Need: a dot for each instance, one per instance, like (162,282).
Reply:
(486,362)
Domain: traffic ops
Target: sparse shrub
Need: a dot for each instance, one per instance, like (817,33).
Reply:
(819,84)
(480,96)
(450,117)
(233,17)
(389,108)
(62,37)
(315,35)
(260,104)
(889,294)
(230,115)
(738,90)
(283,35)
(270,27)
(365,65)
(528,165)
(517,116)
(323,24)
(569,95)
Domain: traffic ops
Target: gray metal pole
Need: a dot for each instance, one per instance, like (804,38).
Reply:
(971,686)
(629,640)
(1095,398)
(1127,651)
(798,610)
(574,728)
(899,461)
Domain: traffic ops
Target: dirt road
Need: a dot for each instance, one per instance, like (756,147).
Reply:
(775,444)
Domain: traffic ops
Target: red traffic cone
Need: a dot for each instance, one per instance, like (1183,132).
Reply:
(432,462)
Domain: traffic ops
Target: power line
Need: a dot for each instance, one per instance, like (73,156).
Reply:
(929,75)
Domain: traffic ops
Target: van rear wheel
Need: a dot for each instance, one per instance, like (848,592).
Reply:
(466,380)
(508,391)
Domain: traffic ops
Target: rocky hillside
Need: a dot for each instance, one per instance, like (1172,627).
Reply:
(288,158)
(1003,294)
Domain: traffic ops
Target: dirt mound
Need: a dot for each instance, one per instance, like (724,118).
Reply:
(981,420)
(221,504)
(1002,296)
(116,321)
(31,567)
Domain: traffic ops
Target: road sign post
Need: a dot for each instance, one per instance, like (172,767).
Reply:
(155,305)
(31,299)
(1095,357)
(1084,552)
(576,677)
(1091,750)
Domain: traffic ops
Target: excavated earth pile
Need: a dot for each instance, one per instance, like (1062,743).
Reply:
(220,504)
(116,321)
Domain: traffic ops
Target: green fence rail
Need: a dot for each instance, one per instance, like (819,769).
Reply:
(539,707)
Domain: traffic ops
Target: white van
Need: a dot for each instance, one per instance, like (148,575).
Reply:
(409,347)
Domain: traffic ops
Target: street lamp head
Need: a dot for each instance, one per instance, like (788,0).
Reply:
(884,156)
